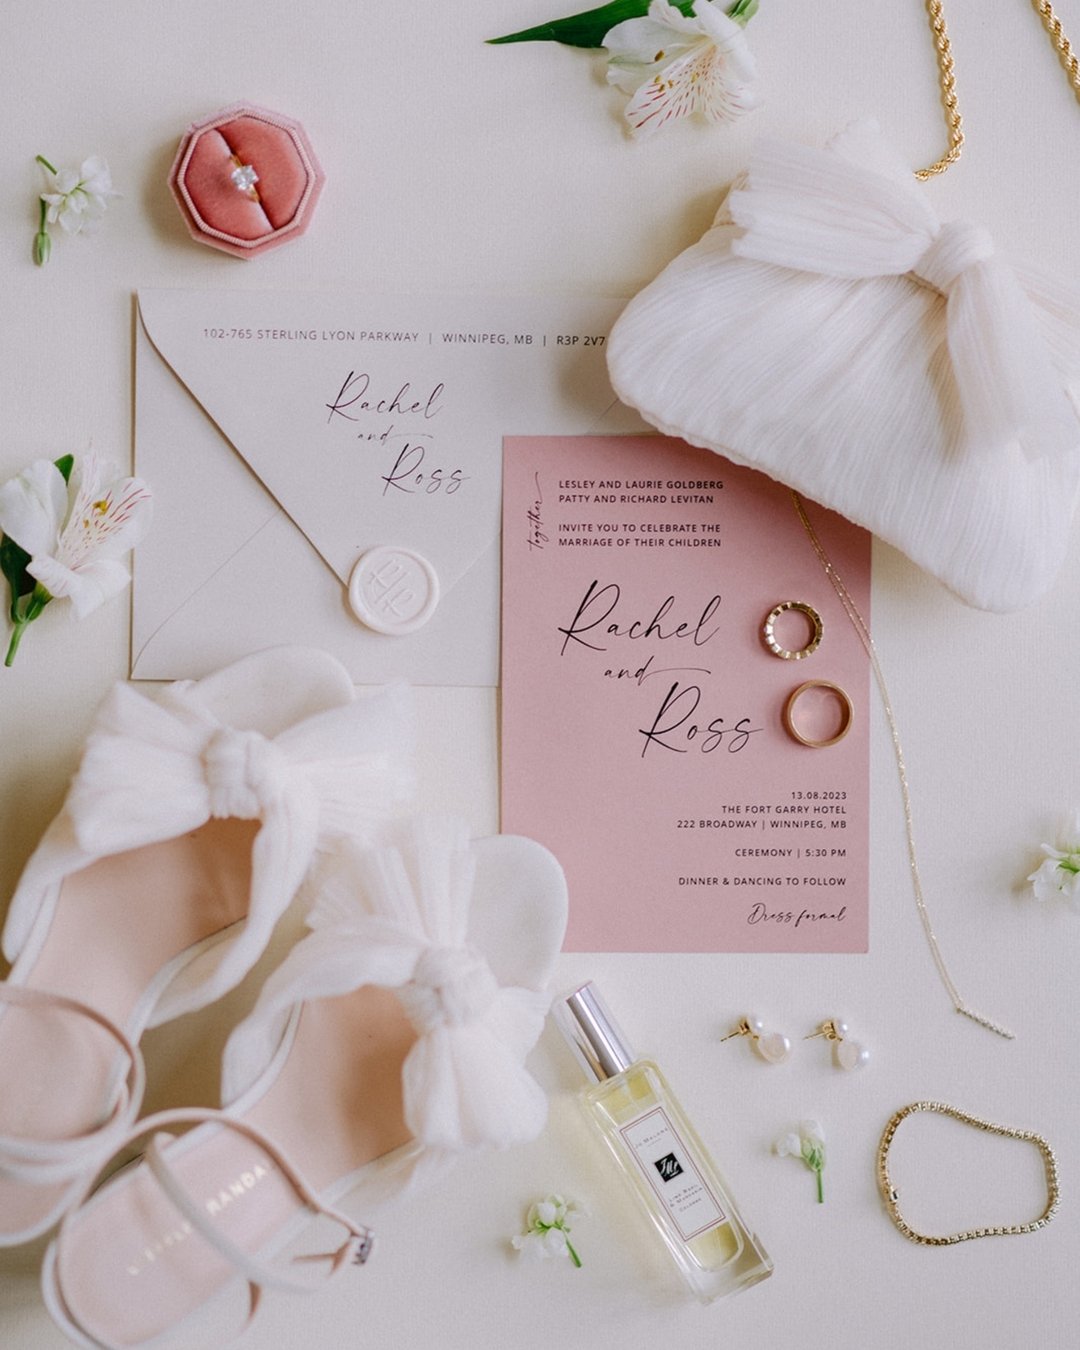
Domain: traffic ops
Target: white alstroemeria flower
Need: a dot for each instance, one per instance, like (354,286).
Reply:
(78,198)
(73,533)
(76,531)
(547,1230)
(808,1145)
(1059,873)
(673,65)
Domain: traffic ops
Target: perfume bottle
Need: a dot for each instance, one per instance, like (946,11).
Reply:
(660,1154)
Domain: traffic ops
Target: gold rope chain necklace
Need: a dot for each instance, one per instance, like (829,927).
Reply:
(955,126)
(947,76)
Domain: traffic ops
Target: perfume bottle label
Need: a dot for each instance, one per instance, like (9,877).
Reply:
(668,1167)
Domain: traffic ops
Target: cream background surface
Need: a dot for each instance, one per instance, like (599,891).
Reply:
(461,168)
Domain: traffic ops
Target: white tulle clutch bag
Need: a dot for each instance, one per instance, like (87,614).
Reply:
(831,332)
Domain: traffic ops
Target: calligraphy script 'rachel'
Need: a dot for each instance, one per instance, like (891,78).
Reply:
(403,403)
(591,614)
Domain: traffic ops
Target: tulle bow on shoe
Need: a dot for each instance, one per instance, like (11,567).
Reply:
(466,933)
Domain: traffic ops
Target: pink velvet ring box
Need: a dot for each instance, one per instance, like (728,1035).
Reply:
(246,180)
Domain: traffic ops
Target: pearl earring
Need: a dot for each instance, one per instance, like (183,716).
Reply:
(771,1046)
(847,1054)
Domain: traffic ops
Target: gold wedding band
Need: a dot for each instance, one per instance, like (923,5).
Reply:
(847,710)
(768,631)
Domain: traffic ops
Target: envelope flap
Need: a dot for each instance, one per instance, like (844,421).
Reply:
(372,421)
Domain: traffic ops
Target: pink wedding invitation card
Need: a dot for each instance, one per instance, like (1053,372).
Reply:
(643,732)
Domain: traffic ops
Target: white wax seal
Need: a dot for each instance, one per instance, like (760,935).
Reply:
(393,590)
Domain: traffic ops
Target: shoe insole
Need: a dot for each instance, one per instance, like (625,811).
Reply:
(116,924)
(132,1266)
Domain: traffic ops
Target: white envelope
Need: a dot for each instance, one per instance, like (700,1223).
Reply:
(285,435)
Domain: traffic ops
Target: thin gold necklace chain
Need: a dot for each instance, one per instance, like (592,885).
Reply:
(892,1198)
(954,123)
(863,632)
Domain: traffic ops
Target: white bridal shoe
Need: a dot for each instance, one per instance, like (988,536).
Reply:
(192,820)
(395,1031)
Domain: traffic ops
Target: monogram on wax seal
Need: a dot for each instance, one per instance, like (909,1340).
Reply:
(393,590)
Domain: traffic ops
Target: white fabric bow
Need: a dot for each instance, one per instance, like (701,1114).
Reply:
(466,933)
(815,211)
(154,769)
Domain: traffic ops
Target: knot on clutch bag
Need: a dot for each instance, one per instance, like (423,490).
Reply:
(956,247)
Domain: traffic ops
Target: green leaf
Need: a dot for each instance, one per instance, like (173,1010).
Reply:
(13,560)
(65,464)
(590,28)
(742,11)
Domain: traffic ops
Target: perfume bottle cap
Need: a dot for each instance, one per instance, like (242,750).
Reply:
(596,1038)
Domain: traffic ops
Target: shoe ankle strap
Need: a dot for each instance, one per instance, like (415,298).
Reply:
(356,1248)
(258,1273)
(45,1162)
